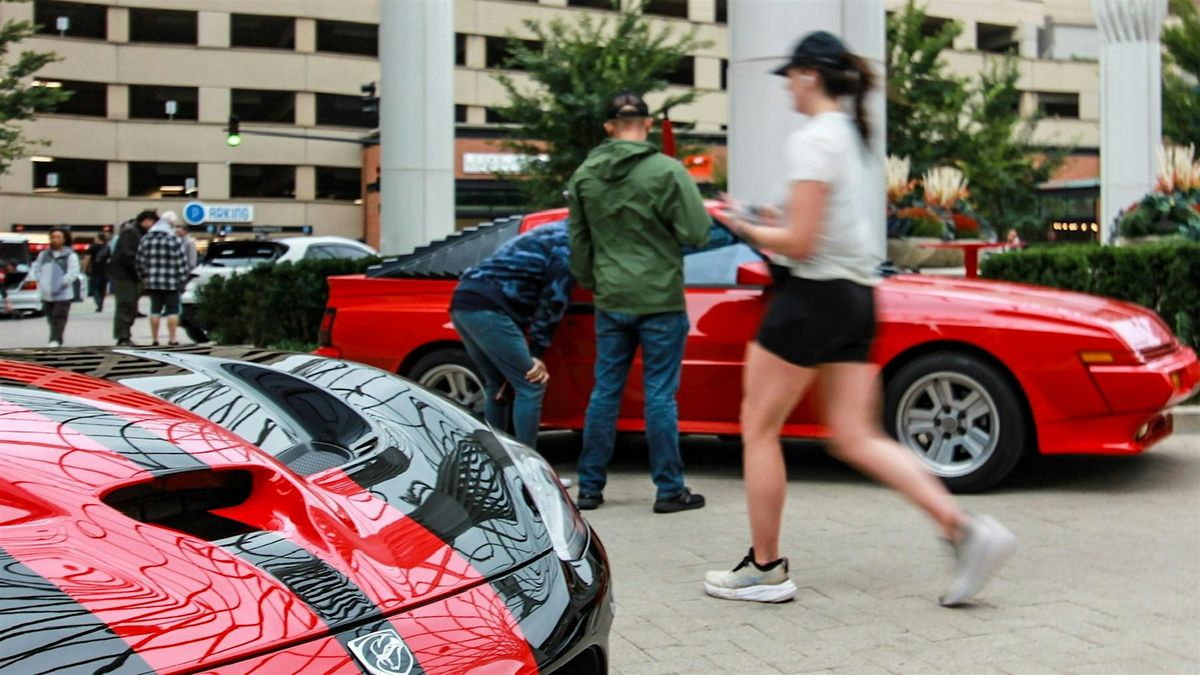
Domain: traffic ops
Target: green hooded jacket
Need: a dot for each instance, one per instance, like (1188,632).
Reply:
(632,211)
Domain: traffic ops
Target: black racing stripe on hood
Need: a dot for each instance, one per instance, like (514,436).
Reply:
(337,600)
(330,594)
(140,446)
(44,630)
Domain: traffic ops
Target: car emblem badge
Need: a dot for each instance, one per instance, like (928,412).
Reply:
(383,653)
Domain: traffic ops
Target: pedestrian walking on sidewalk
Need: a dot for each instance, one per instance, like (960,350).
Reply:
(819,329)
(56,269)
(633,209)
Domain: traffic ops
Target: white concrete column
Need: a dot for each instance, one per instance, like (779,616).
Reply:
(306,183)
(416,55)
(306,35)
(118,101)
(213,29)
(1027,40)
(118,179)
(213,180)
(118,24)
(762,35)
(215,104)
(1130,102)
(306,109)
(967,39)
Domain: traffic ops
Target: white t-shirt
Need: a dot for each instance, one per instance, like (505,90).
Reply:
(828,149)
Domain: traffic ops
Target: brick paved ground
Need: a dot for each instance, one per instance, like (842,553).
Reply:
(1107,579)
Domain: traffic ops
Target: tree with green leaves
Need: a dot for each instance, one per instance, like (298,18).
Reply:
(575,69)
(937,118)
(20,99)
(1181,75)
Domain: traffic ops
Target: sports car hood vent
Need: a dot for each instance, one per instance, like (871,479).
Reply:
(186,501)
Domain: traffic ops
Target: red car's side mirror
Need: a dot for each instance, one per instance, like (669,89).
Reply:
(754,274)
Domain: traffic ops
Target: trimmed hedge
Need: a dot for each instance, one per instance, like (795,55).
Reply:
(1164,276)
(270,304)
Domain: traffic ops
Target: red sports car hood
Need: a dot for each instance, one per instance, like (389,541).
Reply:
(181,546)
(1140,328)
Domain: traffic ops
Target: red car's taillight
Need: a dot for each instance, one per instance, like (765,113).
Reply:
(325,337)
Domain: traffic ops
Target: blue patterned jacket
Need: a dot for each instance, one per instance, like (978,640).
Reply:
(528,278)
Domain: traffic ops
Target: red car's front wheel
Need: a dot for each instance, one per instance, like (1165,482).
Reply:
(960,415)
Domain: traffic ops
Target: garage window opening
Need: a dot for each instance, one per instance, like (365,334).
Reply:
(167,26)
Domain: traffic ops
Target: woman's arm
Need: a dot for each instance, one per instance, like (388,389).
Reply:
(796,237)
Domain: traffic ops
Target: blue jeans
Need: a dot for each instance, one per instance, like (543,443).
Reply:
(618,336)
(497,346)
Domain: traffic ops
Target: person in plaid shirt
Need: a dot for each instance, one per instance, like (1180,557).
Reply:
(163,267)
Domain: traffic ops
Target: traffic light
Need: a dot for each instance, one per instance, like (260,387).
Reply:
(234,138)
(370,102)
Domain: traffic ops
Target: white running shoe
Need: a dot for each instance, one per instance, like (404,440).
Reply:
(985,546)
(55,344)
(750,582)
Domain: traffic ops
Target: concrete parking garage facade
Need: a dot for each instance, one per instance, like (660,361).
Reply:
(296,68)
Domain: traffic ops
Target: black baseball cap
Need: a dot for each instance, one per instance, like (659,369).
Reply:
(817,49)
(626,104)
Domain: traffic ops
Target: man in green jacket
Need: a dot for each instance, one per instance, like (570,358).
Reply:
(633,209)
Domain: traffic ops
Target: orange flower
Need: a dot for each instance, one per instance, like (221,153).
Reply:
(965,223)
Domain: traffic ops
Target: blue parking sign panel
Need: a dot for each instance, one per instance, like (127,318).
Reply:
(193,213)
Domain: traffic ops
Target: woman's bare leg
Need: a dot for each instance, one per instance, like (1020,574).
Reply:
(850,400)
(772,387)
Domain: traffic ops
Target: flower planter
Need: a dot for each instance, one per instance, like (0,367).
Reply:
(907,253)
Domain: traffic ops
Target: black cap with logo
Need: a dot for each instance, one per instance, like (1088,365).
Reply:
(817,50)
(626,104)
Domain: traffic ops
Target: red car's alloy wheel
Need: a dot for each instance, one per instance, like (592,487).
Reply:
(457,382)
(961,417)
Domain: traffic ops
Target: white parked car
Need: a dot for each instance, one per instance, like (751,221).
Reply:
(22,289)
(227,258)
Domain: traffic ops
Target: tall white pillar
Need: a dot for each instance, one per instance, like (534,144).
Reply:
(416,54)
(1130,102)
(762,35)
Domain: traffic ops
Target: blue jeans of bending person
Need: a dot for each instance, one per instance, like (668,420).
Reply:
(618,336)
(497,347)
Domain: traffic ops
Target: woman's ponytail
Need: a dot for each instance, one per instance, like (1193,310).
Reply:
(856,80)
(866,81)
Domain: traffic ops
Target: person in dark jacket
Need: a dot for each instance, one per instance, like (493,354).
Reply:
(98,256)
(523,287)
(633,210)
(162,266)
(122,269)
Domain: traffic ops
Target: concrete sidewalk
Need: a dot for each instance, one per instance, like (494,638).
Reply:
(85,328)
(1107,578)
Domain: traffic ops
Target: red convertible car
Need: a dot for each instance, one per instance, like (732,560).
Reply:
(976,373)
(225,510)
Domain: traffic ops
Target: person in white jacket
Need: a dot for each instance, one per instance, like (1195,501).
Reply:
(56,269)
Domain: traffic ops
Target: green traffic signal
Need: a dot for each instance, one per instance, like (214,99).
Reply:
(234,138)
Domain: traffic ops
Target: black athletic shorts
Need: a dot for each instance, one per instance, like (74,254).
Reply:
(163,303)
(812,322)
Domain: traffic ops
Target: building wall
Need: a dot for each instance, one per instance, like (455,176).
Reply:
(1056,41)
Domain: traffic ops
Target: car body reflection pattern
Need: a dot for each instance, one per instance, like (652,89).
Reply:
(424,531)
